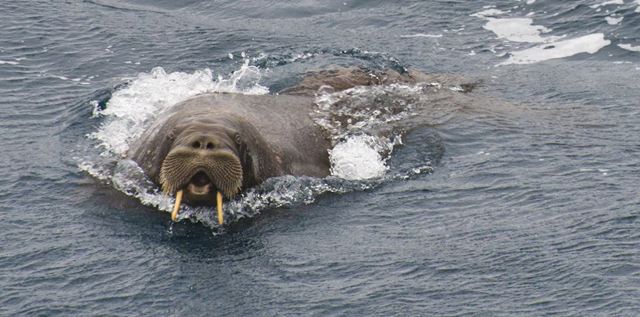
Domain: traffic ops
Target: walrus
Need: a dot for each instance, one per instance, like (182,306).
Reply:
(216,145)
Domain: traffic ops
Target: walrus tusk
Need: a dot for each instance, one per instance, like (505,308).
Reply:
(219,204)
(176,208)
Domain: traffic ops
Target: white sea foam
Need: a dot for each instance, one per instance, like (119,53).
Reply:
(518,30)
(595,6)
(488,13)
(522,30)
(560,49)
(613,21)
(629,47)
(421,35)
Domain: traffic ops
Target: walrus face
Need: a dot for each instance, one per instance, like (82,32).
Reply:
(203,163)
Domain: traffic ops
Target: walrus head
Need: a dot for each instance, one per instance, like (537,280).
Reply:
(203,164)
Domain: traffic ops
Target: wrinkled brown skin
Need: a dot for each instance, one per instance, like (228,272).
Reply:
(337,79)
(276,134)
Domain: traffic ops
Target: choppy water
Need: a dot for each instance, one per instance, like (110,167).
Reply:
(520,198)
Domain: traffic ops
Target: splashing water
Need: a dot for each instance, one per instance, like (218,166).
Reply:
(359,120)
(369,109)
(132,109)
(356,158)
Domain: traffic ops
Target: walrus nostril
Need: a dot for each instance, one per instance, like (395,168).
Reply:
(210,145)
(195,145)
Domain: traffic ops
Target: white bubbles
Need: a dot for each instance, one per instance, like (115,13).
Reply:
(361,123)
(356,159)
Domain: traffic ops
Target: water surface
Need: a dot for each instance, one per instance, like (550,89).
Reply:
(523,202)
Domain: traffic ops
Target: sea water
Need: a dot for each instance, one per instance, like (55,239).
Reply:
(518,198)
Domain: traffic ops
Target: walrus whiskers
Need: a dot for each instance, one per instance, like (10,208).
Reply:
(219,204)
(176,208)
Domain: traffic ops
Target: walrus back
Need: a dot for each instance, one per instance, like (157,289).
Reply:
(283,121)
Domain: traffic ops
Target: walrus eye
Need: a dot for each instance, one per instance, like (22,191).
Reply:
(238,139)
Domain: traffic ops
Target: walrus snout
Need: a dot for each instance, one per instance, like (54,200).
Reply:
(201,172)
(203,142)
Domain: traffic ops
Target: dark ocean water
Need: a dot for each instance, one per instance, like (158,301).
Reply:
(523,202)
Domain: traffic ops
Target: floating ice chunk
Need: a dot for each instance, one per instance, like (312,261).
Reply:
(629,47)
(530,1)
(613,21)
(586,44)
